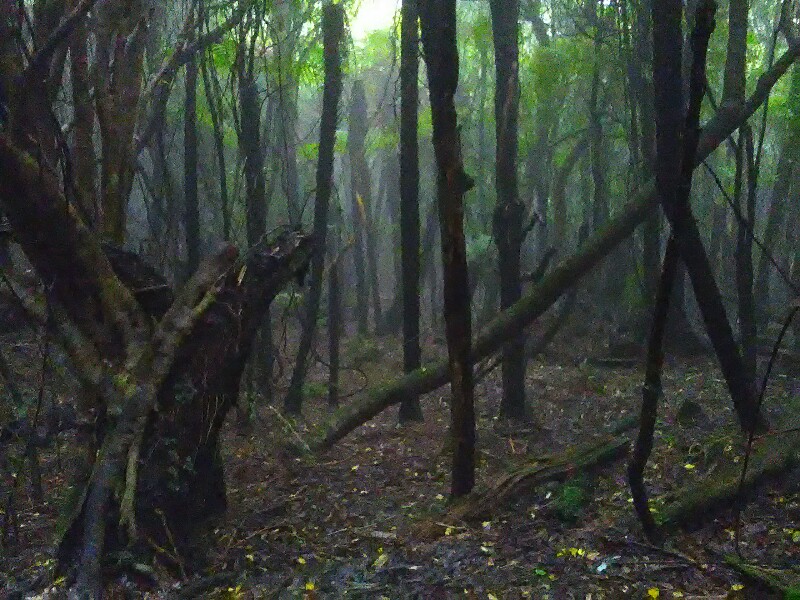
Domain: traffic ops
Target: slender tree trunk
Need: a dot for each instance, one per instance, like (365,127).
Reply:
(364,255)
(334,309)
(355,146)
(373,254)
(438,24)
(410,409)
(191,206)
(215,108)
(285,14)
(252,151)
(83,151)
(509,211)
(736,57)
(675,199)
(785,172)
(559,198)
(744,195)
(744,261)
(332,37)
(643,91)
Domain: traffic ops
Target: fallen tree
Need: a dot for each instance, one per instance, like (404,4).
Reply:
(689,507)
(530,474)
(772,456)
(562,278)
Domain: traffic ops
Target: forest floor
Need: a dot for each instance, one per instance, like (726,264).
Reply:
(347,522)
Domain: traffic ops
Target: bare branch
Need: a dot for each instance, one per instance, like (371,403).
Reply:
(159,87)
(41,60)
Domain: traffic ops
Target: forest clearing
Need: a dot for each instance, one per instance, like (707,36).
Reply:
(399,299)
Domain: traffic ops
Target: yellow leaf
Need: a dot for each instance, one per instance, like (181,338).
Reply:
(653,593)
(737,587)
(448,530)
(361,209)
(491,596)
(301,560)
(688,466)
(380,561)
(310,586)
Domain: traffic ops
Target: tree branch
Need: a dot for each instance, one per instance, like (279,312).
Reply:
(157,91)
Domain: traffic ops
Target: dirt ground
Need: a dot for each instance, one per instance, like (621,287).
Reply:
(346,523)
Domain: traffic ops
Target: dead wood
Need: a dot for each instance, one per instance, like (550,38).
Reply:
(530,474)
(773,456)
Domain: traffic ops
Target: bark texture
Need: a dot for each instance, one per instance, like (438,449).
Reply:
(438,25)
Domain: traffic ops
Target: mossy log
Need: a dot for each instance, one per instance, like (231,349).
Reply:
(772,456)
(784,582)
(526,476)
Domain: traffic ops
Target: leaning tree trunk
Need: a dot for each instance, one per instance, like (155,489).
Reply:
(332,34)
(679,213)
(191,207)
(561,279)
(509,212)
(438,23)
(410,409)
(165,389)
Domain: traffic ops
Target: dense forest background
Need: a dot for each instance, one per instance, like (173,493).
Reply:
(236,233)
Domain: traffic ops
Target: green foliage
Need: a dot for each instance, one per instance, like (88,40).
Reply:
(314,389)
(288,299)
(362,349)
(571,499)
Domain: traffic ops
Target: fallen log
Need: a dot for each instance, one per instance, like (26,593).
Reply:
(481,505)
(785,582)
(772,456)
(561,279)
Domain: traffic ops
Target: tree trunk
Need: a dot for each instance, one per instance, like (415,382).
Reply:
(509,211)
(410,409)
(744,252)
(643,92)
(785,173)
(215,108)
(83,151)
(736,57)
(190,200)
(438,24)
(363,257)
(332,34)
(559,199)
(177,455)
(334,309)
(561,279)
(251,147)
(675,200)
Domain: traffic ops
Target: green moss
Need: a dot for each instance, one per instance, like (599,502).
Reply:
(572,499)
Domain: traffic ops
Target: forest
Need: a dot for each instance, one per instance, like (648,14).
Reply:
(399,299)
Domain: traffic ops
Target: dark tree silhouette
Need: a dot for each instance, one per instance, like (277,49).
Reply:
(509,211)
(332,38)
(438,25)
